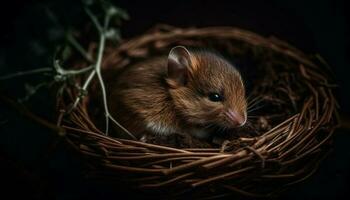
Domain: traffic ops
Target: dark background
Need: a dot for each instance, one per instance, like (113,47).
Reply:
(28,37)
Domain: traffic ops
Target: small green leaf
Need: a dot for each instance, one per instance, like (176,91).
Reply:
(116,12)
(29,88)
(124,15)
(112,11)
(113,34)
(66,52)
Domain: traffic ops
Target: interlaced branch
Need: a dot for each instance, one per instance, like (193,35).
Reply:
(62,75)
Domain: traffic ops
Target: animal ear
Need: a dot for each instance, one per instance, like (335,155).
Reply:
(179,62)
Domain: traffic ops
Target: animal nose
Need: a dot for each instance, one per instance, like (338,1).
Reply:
(236,118)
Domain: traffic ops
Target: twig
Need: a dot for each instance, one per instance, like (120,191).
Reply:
(64,72)
(23,73)
(94,20)
(101,47)
(79,48)
(86,84)
(31,91)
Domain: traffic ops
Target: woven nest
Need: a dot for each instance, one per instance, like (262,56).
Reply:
(292,132)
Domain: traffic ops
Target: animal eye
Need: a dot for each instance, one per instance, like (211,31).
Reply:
(215,97)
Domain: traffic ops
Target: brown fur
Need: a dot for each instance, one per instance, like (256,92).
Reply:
(143,95)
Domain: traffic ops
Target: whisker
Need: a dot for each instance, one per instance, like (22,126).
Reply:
(254,109)
(250,125)
(254,117)
(249,96)
(208,126)
(223,129)
(219,129)
(255,103)
(252,95)
(254,100)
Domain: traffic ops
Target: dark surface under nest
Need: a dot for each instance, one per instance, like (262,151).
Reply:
(287,135)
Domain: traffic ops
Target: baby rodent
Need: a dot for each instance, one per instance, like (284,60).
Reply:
(188,92)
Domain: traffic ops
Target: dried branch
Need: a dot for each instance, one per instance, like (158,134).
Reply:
(62,75)
(24,73)
(79,48)
(97,70)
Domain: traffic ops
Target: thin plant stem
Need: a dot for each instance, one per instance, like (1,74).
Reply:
(23,73)
(79,48)
(101,47)
(86,84)
(32,92)
(62,71)
(94,20)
